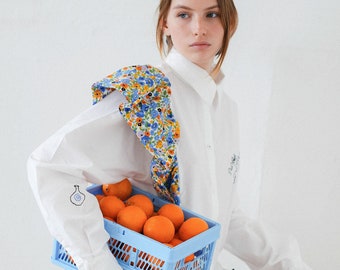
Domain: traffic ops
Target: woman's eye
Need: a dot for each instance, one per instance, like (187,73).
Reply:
(183,15)
(212,15)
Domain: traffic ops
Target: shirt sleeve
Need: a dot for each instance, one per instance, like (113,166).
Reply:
(260,246)
(96,147)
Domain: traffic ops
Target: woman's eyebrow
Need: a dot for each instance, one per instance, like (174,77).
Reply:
(188,8)
(212,7)
(182,7)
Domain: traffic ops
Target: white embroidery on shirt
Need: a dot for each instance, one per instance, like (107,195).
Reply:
(234,166)
(77,197)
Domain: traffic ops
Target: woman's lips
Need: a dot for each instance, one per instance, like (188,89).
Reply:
(200,44)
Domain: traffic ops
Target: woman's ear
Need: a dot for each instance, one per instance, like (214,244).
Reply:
(165,28)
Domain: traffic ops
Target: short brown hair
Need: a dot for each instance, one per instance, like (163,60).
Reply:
(229,19)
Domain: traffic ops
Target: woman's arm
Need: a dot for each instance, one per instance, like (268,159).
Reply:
(96,147)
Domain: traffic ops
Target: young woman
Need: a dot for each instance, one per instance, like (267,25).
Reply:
(117,138)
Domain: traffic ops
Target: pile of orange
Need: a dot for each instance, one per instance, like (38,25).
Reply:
(137,212)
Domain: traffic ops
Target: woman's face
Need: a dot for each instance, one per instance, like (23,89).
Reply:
(196,30)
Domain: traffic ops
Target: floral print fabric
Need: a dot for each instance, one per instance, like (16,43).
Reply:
(147,111)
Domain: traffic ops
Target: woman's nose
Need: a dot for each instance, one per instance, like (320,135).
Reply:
(198,28)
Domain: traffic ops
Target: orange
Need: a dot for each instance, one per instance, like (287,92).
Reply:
(143,202)
(159,228)
(108,218)
(121,189)
(175,241)
(132,217)
(174,213)
(99,197)
(110,206)
(189,258)
(191,227)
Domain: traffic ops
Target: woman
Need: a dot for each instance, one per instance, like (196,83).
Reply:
(101,146)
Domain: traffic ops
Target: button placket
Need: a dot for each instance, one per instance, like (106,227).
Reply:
(209,142)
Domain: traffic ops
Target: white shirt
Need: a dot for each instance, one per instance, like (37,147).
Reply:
(99,147)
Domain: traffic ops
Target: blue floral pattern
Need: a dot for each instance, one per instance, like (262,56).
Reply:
(147,111)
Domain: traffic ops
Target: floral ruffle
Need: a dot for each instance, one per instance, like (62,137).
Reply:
(147,111)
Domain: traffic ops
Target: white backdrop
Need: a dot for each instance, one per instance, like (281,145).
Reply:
(282,67)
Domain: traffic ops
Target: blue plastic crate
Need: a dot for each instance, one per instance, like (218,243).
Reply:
(136,251)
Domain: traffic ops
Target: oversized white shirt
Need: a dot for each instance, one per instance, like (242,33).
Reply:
(99,147)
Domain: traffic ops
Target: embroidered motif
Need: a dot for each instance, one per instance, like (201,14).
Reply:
(234,166)
(148,113)
(77,197)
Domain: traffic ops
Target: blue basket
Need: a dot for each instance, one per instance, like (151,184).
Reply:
(136,251)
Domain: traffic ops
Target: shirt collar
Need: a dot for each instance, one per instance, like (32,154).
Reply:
(198,78)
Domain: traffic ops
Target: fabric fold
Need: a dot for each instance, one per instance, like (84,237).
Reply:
(148,113)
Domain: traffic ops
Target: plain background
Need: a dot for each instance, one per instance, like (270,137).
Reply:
(282,68)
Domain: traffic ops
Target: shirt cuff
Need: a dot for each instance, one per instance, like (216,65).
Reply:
(103,261)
